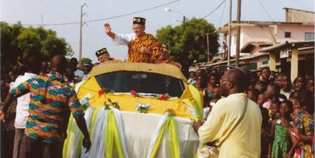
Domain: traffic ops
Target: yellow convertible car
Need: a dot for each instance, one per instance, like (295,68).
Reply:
(136,110)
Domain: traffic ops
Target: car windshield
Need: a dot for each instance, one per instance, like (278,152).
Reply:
(141,82)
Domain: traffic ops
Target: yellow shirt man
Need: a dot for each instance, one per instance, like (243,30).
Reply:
(244,140)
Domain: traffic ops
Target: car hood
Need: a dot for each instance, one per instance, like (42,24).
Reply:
(185,106)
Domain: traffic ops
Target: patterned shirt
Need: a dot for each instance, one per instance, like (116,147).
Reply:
(51,101)
(304,122)
(146,41)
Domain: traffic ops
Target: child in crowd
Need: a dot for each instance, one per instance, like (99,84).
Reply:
(274,110)
(302,131)
(280,127)
(266,136)
(215,96)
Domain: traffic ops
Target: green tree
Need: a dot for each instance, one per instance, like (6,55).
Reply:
(188,42)
(8,47)
(29,42)
(53,45)
(18,41)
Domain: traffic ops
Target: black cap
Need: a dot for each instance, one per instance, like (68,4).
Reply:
(138,20)
(101,52)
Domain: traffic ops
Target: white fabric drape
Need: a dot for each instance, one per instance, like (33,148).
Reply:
(137,130)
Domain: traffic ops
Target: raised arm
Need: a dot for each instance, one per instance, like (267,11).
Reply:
(108,31)
(117,38)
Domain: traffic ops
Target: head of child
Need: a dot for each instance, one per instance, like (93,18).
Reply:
(261,99)
(260,87)
(252,94)
(210,87)
(274,108)
(212,79)
(299,83)
(216,91)
(200,82)
(296,104)
(272,91)
(285,109)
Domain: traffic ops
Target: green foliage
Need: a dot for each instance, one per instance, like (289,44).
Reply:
(17,42)
(188,42)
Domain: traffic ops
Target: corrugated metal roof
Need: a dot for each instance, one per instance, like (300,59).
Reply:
(288,45)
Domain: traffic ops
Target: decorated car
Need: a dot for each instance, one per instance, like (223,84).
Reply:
(136,110)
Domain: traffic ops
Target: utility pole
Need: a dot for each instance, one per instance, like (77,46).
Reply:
(81,27)
(208,47)
(238,38)
(184,23)
(230,35)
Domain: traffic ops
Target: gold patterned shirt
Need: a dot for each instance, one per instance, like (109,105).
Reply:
(136,45)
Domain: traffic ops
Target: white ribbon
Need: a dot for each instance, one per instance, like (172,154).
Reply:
(97,148)
(121,130)
(156,134)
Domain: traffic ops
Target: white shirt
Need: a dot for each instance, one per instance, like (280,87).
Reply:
(124,39)
(286,94)
(22,101)
(191,81)
(79,74)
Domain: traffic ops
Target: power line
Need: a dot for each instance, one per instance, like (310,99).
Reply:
(215,9)
(222,13)
(134,12)
(56,24)
(269,16)
(112,17)
(266,11)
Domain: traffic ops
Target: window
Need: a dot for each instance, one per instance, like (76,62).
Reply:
(265,62)
(287,34)
(309,36)
(142,82)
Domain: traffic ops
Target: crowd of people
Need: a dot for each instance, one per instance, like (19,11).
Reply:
(287,108)
(36,126)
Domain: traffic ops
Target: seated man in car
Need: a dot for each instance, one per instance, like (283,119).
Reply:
(103,55)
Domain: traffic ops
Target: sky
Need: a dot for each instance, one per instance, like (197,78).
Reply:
(35,12)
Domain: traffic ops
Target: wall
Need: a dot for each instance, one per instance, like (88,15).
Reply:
(297,32)
(261,34)
(295,15)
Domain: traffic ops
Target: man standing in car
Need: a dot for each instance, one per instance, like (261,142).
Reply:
(142,47)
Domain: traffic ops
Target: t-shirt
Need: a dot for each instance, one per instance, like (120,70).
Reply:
(22,101)
(50,103)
